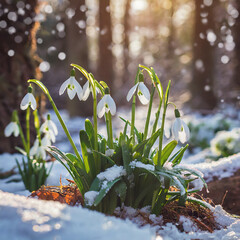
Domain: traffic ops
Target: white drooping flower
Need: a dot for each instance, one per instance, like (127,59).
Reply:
(49,125)
(180,129)
(72,86)
(87,89)
(142,93)
(28,100)
(105,105)
(11,128)
(38,150)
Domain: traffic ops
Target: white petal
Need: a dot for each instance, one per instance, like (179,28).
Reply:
(71,93)
(64,86)
(44,126)
(86,91)
(25,102)
(185,133)
(53,127)
(176,128)
(9,129)
(111,104)
(34,148)
(46,141)
(131,92)
(32,100)
(16,130)
(143,99)
(78,88)
(145,96)
(101,107)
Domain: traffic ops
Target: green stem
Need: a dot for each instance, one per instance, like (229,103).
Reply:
(157,117)
(28,129)
(149,113)
(133,118)
(45,90)
(110,130)
(21,134)
(37,127)
(95,119)
(107,126)
(133,109)
(161,136)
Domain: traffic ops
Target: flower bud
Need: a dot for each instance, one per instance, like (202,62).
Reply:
(177,113)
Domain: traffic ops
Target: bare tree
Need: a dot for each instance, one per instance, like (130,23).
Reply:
(19,61)
(105,61)
(202,85)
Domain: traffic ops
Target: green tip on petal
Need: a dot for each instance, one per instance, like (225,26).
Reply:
(107,90)
(177,113)
(30,88)
(140,77)
(73,72)
(48,117)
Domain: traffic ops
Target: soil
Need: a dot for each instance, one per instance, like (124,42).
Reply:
(202,217)
(225,192)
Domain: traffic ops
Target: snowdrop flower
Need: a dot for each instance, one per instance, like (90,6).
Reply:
(11,128)
(49,125)
(72,86)
(87,88)
(180,129)
(109,152)
(38,150)
(28,100)
(142,91)
(106,104)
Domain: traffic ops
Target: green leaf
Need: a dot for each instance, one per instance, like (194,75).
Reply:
(108,159)
(166,152)
(167,92)
(104,190)
(87,153)
(127,157)
(90,131)
(140,146)
(179,156)
(121,190)
(150,143)
(75,160)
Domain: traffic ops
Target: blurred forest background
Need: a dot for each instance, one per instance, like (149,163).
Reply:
(195,43)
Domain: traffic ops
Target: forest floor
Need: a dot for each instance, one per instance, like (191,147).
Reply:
(29,218)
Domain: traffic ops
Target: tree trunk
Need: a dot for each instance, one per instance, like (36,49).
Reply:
(236,31)
(77,52)
(19,62)
(202,85)
(105,61)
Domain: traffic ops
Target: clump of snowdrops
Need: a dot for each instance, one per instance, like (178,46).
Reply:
(127,170)
(226,143)
(32,168)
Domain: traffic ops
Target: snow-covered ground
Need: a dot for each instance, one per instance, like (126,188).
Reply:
(25,218)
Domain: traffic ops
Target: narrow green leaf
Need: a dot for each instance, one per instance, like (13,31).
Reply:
(121,190)
(179,157)
(167,150)
(87,153)
(167,92)
(150,143)
(104,190)
(90,131)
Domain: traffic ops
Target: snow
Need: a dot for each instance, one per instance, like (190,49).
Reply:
(27,218)
(23,218)
(224,167)
(90,197)
(112,173)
